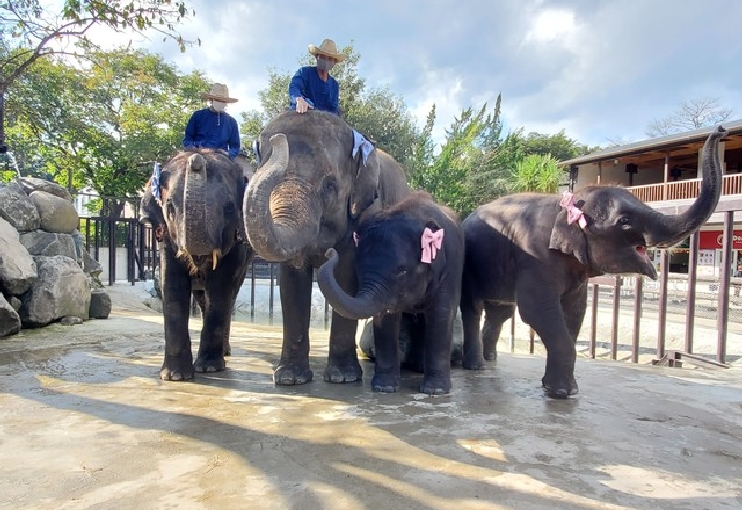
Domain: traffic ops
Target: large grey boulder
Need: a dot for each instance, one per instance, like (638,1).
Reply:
(49,244)
(17,209)
(10,322)
(61,290)
(57,214)
(31,184)
(17,267)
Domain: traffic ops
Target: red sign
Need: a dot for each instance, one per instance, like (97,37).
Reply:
(713,240)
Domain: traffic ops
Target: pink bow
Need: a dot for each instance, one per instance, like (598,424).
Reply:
(430,242)
(573,212)
(355,239)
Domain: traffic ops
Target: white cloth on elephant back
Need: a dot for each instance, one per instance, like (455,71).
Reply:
(361,143)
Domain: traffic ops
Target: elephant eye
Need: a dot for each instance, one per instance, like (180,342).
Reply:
(624,222)
(329,185)
(401,272)
(169,207)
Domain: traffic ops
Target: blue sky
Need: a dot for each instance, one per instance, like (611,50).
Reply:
(600,69)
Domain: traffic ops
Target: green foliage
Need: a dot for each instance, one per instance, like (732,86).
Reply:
(103,125)
(559,145)
(537,172)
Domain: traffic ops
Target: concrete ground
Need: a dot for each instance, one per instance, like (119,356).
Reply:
(85,423)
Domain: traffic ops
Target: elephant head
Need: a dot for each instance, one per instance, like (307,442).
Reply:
(400,258)
(198,211)
(308,187)
(608,229)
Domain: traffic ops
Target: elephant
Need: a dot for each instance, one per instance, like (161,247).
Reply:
(194,207)
(409,258)
(538,251)
(307,194)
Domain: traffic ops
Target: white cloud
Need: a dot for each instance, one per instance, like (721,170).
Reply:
(600,69)
(551,25)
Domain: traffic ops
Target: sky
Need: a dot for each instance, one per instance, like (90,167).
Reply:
(602,70)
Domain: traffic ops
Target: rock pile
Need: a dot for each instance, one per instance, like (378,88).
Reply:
(45,272)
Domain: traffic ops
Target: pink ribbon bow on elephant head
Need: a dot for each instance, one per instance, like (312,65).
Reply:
(573,212)
(430,242)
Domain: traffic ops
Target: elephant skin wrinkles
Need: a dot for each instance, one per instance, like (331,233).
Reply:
(213,279)
(522,249)
(312,152)
(409,259)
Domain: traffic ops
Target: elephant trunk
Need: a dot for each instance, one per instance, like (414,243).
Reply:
(361,306)
(279,210)
(669,230)
(199,225)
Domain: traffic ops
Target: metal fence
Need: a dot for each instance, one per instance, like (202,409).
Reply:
(688,295)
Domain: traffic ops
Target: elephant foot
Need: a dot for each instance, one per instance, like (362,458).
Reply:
(343,373)
(559,386)
(490,355)
(385,383)
(291,375)
(436,385)
(177,368)
(209,364)
(473,363)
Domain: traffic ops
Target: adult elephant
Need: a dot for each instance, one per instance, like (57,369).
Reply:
(194,206)
(538,251)
(314,183)
(409,258)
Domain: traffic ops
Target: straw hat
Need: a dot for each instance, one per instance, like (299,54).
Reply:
(328,49)
(219,92)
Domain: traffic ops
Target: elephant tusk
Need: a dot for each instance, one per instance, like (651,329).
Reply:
(216,254)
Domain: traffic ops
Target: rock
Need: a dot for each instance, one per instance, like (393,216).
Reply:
(15,303)
(61,289)
(10,322)
(48,244)
(31,184)
(17,268)
(70,320)
(56,214)
(17,209)
(100,304)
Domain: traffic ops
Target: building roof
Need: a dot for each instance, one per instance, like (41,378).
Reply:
(733,127)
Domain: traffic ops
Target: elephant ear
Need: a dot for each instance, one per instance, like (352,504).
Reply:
(568,238)
(366,183)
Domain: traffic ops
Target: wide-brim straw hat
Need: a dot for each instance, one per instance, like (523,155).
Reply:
(219,92)
(327,48)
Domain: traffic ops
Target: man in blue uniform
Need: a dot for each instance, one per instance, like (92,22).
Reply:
(312,87)
(212,127)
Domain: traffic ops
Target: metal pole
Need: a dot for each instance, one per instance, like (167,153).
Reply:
(690,309)
(639,296)
(723,303)
(664,270)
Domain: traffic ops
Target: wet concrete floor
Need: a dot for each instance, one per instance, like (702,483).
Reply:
(85,423)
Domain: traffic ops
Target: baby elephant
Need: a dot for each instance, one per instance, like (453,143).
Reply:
(409,259)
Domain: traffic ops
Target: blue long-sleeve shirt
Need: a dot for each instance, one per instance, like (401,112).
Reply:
(323,95)
(216,130)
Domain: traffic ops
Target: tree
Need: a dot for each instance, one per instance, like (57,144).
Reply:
(29,32)
(537,172)
(559,145)
(103,126)
(690,115)
(376,112)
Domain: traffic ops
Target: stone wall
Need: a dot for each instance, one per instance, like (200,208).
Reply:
(46,275)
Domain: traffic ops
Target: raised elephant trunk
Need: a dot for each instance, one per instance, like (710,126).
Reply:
(669,230)
(281,216)
(197,220)
(361,306)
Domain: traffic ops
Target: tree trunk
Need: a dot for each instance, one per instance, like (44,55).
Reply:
(3,147)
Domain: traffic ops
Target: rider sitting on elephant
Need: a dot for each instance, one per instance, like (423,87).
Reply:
(312,87)
(212,127)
